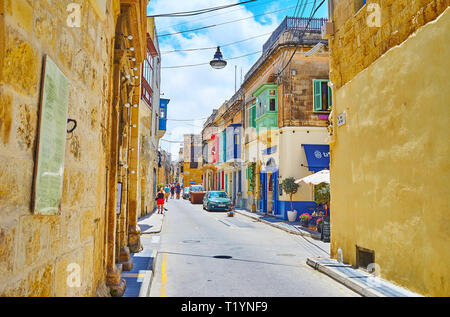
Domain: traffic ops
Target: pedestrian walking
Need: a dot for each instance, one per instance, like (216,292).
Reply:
(172,191)
(178,189)
(166,192)
(160,201)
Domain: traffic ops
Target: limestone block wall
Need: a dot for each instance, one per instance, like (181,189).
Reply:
(36,251)
(389,163)
(355,45)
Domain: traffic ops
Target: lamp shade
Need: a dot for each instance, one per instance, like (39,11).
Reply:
(218,62)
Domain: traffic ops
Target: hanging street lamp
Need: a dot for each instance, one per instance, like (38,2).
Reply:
(218,62)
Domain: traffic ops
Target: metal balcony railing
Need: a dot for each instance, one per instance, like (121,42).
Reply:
(297,24)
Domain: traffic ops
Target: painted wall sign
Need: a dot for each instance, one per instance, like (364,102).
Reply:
(49,166)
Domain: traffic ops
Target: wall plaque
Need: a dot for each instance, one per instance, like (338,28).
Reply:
(51,140)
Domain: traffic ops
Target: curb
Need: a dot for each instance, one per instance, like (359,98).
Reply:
(147,282)
(296,232)
(355,286)
(387,288)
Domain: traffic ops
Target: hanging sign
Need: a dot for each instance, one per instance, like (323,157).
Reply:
(51,141)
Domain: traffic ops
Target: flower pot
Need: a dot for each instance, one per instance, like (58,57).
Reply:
(292,215)
(304,223)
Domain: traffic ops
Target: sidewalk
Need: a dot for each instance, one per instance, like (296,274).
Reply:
(291,227)
(139,278)
(357,280)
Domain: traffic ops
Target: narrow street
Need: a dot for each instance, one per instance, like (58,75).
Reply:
(207,254)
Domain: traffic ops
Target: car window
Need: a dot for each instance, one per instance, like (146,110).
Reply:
(197,188)
(218,195)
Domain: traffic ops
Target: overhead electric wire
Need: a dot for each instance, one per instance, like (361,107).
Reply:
(214,47)
(304,30)
(197,12)
(200,64)
(214,15)
(223,23)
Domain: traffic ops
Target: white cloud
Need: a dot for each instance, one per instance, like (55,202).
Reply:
(195,91)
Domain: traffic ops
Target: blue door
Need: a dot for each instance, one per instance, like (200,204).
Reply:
(263,192)
(275,193)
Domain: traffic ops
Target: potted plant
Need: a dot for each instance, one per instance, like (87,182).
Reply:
(319,223)
(304,219)
(290,187)
(322,195)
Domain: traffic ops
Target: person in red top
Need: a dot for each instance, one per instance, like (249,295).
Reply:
(160,201)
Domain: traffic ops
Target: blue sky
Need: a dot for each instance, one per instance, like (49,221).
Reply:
(195,91)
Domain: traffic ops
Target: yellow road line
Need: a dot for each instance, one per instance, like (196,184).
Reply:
(163,277)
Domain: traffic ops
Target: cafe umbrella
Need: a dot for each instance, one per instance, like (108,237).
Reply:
(316,178)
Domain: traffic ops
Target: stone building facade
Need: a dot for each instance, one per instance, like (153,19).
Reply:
(97,45)
(389,199)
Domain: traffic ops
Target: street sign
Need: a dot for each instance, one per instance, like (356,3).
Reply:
(341,119)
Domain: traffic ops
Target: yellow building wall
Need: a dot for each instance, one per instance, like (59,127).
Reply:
(192,174)
(390,166)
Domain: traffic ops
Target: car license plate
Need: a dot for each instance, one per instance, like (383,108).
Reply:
(221,205)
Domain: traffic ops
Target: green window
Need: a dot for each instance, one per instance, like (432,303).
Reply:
(322,96)
(252,116)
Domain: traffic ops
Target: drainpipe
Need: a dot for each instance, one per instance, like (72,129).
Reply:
(330,10)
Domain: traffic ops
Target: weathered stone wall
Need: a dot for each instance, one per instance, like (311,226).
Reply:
(35,251)
(389,165)
(297,108)
(355,45)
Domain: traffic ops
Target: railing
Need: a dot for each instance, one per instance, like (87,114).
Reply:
(291,23)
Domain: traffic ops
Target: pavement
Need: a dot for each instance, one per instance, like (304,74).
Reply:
(140,277)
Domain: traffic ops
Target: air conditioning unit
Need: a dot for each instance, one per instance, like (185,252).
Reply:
(327,30)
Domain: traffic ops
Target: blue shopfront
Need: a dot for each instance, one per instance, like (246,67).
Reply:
(317,158)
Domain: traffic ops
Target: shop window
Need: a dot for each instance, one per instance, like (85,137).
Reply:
(322,96)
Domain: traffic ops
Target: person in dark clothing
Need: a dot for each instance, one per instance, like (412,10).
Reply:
(172,191)
(178,190)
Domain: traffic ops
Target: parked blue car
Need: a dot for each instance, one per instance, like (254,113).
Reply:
(217,200)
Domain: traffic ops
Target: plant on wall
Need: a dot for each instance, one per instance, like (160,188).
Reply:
(322,193)
(290,187)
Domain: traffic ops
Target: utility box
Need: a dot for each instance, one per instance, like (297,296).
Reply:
(327,30)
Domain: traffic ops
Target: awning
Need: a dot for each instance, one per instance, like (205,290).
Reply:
(317,178)
(317,156)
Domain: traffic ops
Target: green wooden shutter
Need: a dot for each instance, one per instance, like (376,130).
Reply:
(251,117)
(330,97)
(317,95)
(254,116)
